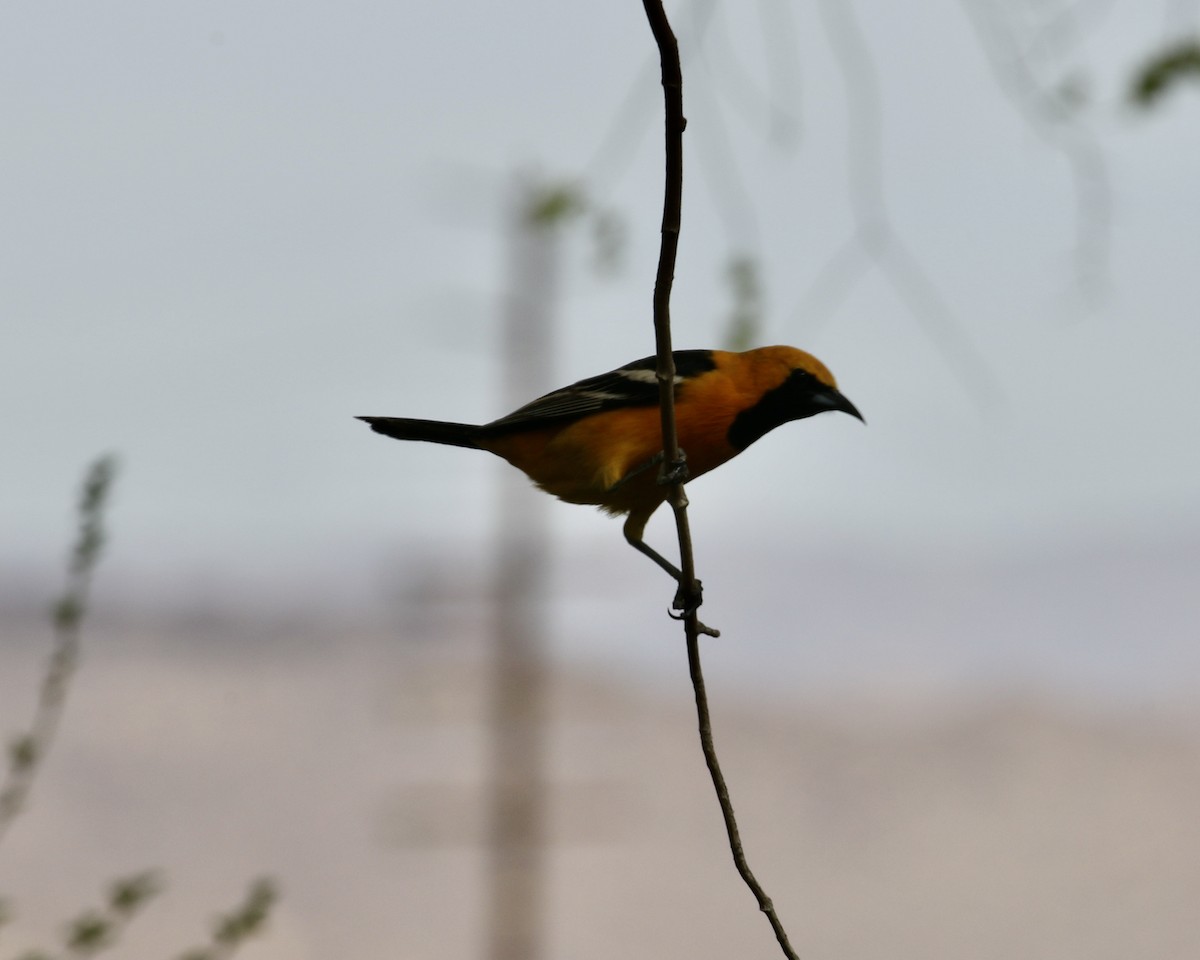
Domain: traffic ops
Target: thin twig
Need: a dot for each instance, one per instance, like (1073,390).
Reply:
(731,828)
(28,751)
(1060,126)
(674,465)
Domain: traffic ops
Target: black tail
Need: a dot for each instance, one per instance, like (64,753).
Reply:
(434,431)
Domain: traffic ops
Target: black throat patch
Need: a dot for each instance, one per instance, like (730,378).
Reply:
(791,400)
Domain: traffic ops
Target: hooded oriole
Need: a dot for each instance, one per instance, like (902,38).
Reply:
(597,440)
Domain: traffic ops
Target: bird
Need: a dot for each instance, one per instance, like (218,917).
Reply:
(598,441)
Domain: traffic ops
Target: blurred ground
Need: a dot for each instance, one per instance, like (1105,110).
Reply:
(347,765)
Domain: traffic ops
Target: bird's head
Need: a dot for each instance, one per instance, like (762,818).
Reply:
(804,387)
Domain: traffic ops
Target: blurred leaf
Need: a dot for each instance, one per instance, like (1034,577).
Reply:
(1164,70)
(89,933)
(249,917)
(243,922)
(22,753)
(127,894)
(745,319)
(67,613)
(551,205)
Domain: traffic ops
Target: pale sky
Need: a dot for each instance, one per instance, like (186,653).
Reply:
(228,228)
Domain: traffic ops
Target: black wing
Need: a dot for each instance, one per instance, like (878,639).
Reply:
(633,385)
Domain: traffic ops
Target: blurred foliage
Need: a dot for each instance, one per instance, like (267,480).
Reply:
(609,241)
(128,895)
(98,928)
(27,750)
(745,316)
(1164,71)
(232,929)
(551,204)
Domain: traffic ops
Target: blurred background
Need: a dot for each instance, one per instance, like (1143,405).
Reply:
(955,690)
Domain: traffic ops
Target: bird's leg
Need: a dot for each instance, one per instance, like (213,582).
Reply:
(654,461)
(685,600)
(635,525)
(634,539)
(689,596)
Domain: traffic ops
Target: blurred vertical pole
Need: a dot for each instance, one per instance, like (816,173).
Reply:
(519,717)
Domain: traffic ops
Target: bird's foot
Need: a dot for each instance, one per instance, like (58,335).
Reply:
(687,602)
(674,472)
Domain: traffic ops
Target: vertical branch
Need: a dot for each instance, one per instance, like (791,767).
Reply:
(672,81)
(674,471)
(519,708)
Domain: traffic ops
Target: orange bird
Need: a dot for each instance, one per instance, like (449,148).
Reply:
(598,440)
